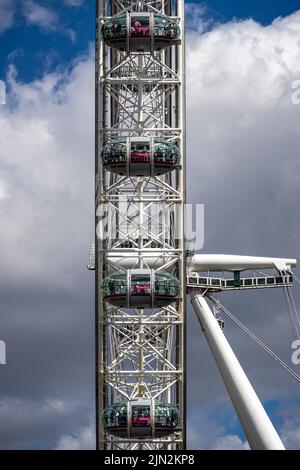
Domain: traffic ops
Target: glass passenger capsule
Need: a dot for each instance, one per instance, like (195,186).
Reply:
(140,418)
(140,31)
(140,288)
(140,156)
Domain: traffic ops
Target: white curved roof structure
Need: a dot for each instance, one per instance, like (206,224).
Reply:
(218,263)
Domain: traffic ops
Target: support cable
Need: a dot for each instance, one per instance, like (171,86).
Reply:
(255,339)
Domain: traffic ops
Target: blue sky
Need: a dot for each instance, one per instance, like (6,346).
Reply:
(34,49)
(262,11)
(235,93)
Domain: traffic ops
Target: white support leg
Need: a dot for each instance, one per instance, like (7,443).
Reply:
(257,426)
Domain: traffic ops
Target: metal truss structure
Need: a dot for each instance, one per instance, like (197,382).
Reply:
(140,224)
(139,255)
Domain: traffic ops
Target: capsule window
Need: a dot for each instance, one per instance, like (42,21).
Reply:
(115,28)
(166,286)
(140,284)
(140,152)
(164,30)
(115,153)
(139,26)
(115,416)
(165,27)
(114,286)
(130,420)
(160,152)
(166,416)
(141,416)
(139,157)
(141,288)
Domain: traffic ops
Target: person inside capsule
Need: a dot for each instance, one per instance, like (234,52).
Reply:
(140,153)
(116,29)
(141,416)
(140,26)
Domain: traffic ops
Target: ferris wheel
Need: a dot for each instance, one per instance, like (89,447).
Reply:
(143,271)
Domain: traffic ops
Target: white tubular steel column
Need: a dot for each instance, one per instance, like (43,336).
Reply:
(257,426)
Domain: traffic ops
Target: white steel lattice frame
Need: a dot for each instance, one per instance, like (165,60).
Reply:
(140,94)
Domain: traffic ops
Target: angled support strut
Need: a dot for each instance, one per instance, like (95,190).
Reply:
(257,426)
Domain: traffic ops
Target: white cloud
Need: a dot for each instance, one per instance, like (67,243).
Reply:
(46,169)
(7,14)
(195,17)
(244,63)
(26,422)
(243,131)
(42,16)
(209,424)
(47,160)
(73,3)
(84,439)
(35,14)
(24,410)
(45,18)
(291,434)
(290,428)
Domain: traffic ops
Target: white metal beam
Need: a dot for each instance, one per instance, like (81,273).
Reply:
(257,426)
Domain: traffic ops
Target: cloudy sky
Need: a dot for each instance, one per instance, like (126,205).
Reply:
(243,164)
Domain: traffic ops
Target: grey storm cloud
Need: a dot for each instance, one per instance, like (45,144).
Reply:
(47,295)
(242,163)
